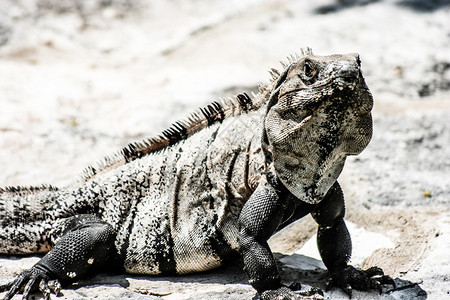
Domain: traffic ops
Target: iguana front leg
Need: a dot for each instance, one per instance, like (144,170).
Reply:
(86,242)
(333,240)
(260,217)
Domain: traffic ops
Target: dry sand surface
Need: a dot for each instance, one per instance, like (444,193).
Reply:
(80,79)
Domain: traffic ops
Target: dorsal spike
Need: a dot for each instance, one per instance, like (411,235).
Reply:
(292,58)
(306,51)
(284,64)
(274,73)
(216,111)
(28,189)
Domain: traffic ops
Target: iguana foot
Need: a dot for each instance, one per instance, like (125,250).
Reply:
(32,278)
(350,277)
(285,293)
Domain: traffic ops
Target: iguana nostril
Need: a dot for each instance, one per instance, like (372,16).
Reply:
(348,73)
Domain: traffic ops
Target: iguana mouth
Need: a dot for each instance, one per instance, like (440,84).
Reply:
(345,82)
(305,120)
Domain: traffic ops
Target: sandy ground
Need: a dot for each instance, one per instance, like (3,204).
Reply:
(80,79)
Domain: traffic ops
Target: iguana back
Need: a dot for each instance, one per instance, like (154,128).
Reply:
(166,196)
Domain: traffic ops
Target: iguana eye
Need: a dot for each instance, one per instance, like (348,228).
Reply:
(309,70)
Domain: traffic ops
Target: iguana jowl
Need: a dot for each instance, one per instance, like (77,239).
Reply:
(219,183)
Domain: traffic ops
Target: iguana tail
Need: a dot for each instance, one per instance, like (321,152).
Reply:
(26,216)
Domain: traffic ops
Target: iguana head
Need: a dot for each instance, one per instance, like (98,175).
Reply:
(319,112)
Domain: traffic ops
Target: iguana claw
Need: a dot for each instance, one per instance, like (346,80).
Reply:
(30,278)
(350,277)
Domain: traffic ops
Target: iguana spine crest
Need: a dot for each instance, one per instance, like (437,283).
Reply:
(21,190)
(217,111)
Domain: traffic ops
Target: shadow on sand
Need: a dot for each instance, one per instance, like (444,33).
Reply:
(422,6)
(295,269)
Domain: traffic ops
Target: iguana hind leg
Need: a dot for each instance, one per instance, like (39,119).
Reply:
(85,243)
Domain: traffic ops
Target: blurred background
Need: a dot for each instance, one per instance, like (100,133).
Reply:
(81,79)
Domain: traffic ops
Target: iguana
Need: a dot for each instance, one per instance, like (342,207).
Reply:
(217,184)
